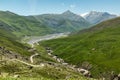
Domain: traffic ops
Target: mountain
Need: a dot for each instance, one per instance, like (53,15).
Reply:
(71,16)
(96,47)
(97,17)
(38,25)
(43,24)
(21,26)
(65,22)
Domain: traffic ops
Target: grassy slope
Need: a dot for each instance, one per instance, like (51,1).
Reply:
(22,26)
(9,41)
(46,73)
(11,68)
(99,45)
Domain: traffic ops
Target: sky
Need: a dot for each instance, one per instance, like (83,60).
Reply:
(36,7)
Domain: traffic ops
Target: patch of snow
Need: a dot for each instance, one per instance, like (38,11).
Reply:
(84,14)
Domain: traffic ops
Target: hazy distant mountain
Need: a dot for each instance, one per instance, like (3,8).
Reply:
(65,22)
(97,17)
(73,17)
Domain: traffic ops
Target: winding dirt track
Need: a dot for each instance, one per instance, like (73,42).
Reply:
(23,62)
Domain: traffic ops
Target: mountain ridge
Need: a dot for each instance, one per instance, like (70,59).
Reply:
(67,20)
(38,25)
(95,17)
(42,24)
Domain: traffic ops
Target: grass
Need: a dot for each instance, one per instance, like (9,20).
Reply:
(11,68)
(48,72)
(11,78)
(10,42)
(98,45)
(42,78)
(21,26)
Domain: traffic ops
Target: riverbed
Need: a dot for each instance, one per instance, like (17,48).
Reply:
(36,39)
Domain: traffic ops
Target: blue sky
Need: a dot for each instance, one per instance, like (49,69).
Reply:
(33,7)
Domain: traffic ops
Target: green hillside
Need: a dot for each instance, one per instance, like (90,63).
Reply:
(99,46)
(10,41)
(14,61)
(21,26)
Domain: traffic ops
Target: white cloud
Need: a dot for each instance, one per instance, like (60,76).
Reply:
(72,6)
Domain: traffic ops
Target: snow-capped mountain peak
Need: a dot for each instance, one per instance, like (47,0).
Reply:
(95,17)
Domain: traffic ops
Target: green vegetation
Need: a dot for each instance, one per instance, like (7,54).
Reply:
(41,78)
(99,45)
(9,67)
(65,22)
(10,42)
(48,72)
(21,26)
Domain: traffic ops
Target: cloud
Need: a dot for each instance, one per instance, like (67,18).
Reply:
(72,6)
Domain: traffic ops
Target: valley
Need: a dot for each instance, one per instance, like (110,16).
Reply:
(64,46)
